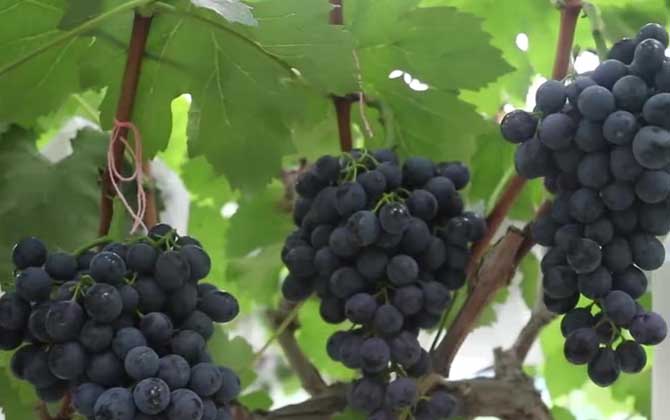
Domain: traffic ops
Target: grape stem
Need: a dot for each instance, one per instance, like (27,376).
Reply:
(502,269)
(97,242)
(286,322)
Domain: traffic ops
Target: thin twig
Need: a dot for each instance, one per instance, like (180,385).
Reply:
(495,272)
(307,373)
(282,327)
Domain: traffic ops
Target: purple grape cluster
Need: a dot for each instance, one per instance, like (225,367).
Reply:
(383,245)
(601,140)
(123,329)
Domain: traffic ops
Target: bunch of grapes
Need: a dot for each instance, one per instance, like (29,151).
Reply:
(382,245)
(602,144)
(124,329)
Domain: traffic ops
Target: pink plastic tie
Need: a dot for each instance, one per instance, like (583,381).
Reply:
(138,175)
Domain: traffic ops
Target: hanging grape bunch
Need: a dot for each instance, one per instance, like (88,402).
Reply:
(382,245)
(124,329)
(603,147)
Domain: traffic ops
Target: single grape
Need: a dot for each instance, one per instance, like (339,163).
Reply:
(14,311)
(533,160)
(648,252)
(375,355)
(366,394)
(594,170)
(206,379)
(188,344)
(653,31)
(589,136)
(342,242)
(374,183)
(595,285)
(151,296)
(556,131)
(156,327)
(586,206)
(600,231)
(561,306)
(631,281)
(623,50)
(596,103)
(518,126)
(68,360)
(388,320)
(64,320)
(85,396)
(350,198)
(331,310)
(360,308)
(649,329)
(108,267)
(172,270)
(103,302)
(96,337)
(61,266)
(115,404)
(550,96)
(619,307)
(581,346)
(141,362)
(151,396)
(609,72)
(648,58)
(141,258)
(653,186)
(632,356)
(33,284)
(651,147)
(617,255)
(422,204)
(127,339)
(220,306)
(630,93)
(105,369)
(584,256)
(29,252)
(560,282)
(402,270)
(576,319)
(401,393)
(605,368)
(364,227)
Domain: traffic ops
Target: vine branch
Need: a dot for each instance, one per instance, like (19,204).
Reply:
(498,267)
(124,110)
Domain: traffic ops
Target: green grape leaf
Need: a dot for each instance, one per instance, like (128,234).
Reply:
(530,269)
(638,387)
(256,276)
(312,338)
(232,10)
(256,400)
(492,163)
(17,399)
(488,315)
(349,414)
(560,413)
(235,353)
(37,193)
(39,85)
(262,219)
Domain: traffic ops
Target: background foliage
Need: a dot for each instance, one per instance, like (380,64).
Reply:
(258,101)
